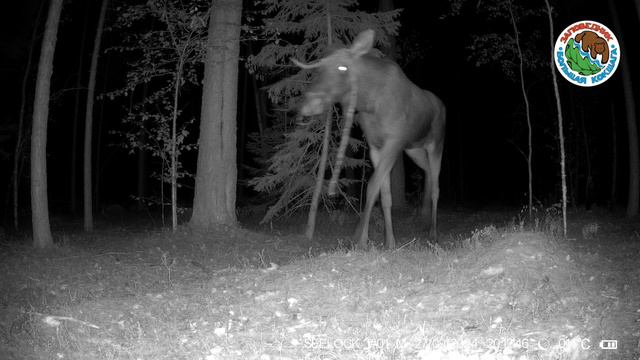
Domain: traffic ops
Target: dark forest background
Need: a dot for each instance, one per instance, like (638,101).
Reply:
(486,129)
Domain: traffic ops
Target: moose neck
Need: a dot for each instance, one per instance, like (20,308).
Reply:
(382,86)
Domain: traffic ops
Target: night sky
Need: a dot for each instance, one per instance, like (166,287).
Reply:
(482,165)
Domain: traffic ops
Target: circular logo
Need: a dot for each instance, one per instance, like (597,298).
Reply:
(587,53)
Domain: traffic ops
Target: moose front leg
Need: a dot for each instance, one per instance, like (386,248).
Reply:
(383,161)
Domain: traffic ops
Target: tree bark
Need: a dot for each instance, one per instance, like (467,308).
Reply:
(317,191)
(516,35)
(563,173)
(174,154)
(88,128)
(39,201)
(215,187)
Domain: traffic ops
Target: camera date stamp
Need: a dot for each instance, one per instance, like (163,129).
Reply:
(460,345)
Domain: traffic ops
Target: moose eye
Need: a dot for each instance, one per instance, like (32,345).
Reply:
(342,68)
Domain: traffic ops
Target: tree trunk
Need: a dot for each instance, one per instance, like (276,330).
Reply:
(258,98)
(632,133)
(17,154)
(73,176)
(633,200)
(563,173)
(527,109)
(322,165)
(174,153)
(614,159)
(88,128)
(588,179)
(141,183)
(215,187)
(398,182)
(39,201)
(99,168)
(242,129)
(317,191)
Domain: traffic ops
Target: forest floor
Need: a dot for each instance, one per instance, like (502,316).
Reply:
(491,288)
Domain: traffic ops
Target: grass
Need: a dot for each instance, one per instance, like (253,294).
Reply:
(493,292)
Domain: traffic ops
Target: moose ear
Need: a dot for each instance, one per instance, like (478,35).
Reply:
(362,43)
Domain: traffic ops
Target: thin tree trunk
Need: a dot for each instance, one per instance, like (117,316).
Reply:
(614,159)
(88,129)
(141,181)
(215,187)
(574,165)
(17,154)
(527,110)
(633,199)
(141,186)
(317,191)
(99,169)
(258,98)
(638,8)
(76,114)
(461,166)
(174,154)
(588,184)
(242,129)
(324,154)
(563,174)
(39,201)
(162,200)
(260,106)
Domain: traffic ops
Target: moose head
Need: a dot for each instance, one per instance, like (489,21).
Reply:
(338,73)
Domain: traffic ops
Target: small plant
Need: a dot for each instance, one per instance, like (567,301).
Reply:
(482,235)
(552,221)
(168,263)
(590,231)
(435,248)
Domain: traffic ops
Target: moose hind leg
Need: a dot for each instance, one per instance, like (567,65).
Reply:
(420,157)
(435,161)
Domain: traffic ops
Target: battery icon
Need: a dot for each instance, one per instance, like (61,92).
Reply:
(608,344)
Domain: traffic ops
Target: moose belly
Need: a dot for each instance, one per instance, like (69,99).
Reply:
(377,133)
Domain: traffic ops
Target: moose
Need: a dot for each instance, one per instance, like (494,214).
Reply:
(394,114)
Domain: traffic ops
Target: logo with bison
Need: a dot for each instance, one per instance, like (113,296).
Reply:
(587,53)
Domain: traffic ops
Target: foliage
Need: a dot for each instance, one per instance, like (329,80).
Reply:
(303,30)
(165,40)
(155,33)
(500,47)
(147,128)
